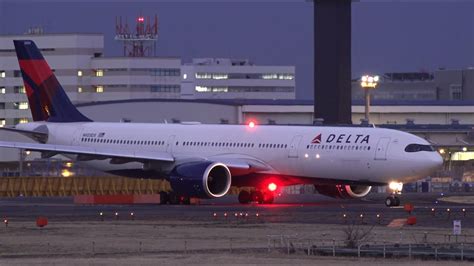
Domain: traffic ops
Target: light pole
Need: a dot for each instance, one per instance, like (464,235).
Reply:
(367,83)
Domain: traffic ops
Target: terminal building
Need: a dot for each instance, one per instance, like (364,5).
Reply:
(88,76)
(442,84)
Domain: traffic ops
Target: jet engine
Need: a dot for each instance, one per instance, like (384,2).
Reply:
(201,179)
(343,191)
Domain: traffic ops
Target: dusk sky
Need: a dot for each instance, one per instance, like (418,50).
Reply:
(388,36)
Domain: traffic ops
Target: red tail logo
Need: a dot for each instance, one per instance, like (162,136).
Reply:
(316,140)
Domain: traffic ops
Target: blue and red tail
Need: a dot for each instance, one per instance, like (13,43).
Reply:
(47,99)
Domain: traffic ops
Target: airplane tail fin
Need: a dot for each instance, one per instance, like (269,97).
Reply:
(47,99)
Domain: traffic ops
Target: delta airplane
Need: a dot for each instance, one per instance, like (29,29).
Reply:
(204,161)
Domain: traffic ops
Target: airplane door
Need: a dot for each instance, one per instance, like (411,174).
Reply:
(170,143)
(293,152)
(381,150)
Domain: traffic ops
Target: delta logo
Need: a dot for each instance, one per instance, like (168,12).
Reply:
(343,138)
(316,140)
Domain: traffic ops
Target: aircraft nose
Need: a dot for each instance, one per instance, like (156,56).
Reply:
(436,161)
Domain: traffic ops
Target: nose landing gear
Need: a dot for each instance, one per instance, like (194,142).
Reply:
(393,200)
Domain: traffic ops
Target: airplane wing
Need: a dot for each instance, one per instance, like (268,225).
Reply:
(238,164)
(91,151)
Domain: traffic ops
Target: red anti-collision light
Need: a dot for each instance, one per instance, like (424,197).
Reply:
(251,124)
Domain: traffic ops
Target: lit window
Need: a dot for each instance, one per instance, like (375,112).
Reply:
(99,73)
(79,73)
(23,120)
(203,76)
(202,89)
(99,89)
(185,76)
(220,76)
(21,105)
(79,89)
(220,89)
(269,76)
(2,122)
(2,90)
(286,76)
(2,74)
(19,89)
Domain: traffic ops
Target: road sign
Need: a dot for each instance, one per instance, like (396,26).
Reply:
(456,227)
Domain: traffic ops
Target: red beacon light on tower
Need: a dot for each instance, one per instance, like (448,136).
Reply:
(141,19)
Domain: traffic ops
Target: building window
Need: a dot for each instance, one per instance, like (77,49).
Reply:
(285,76)
(165,88)
(202,89)
(455,92)
(163,72)
(2,122)
(79,73)
(185,76)
(220,76)
(23,120)
(203,76)
(99,73)
(2,90)
(21,105)
(99,89)
(269,76)
(2,74)
(79,89)
(19,89)
(211,89)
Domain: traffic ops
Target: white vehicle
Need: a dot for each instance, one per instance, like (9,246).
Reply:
(206,160)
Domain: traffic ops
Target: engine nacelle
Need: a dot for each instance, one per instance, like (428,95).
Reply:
(201,179)
(343,191)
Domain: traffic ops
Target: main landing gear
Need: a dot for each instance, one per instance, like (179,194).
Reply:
(261,197)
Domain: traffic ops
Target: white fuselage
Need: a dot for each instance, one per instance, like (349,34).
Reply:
(344,153)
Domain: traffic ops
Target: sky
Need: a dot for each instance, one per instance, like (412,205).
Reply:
(388,35)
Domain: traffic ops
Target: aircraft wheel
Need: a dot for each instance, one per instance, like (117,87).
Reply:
(268,197)
(244,197)
(257,196)
(185,200)
(397,201)
(173,198)
(164,198)
(392,201)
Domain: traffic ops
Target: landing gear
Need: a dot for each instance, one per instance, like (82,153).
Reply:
(257,196)
(174,199)
(268,197)
(392,200)
(244,197)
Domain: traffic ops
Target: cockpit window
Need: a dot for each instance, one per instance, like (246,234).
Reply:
(418,147)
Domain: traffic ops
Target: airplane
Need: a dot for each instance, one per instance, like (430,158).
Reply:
(205,160)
